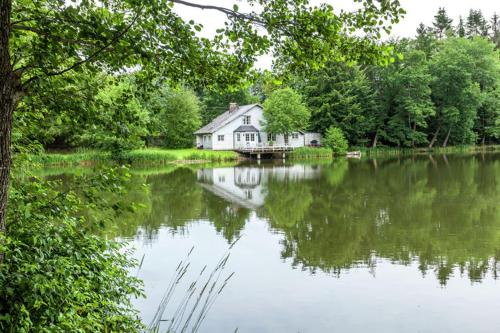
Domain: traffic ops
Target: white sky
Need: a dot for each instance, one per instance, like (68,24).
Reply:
(417,11)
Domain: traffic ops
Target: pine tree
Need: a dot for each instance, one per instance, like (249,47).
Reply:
(425,40)
(476,24)
(460,27)
(495,30)
(442,23)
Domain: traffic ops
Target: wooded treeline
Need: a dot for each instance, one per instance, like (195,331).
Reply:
(443,89)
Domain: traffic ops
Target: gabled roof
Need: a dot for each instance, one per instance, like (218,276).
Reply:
(225,118)
(246,128)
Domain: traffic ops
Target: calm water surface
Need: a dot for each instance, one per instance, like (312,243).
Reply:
(385,245)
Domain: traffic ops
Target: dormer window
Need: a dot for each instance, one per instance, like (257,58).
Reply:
(246,120)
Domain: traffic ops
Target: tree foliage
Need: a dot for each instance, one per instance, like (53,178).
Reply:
(175,116)
(335,140)
(285,112)
(55,275)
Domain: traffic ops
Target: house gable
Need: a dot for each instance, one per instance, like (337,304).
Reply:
(226,118)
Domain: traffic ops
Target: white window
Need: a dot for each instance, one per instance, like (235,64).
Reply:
(238,137)
(295,135)
(247,137)
(246,120)
(252,137)
(220,137)
(271,137)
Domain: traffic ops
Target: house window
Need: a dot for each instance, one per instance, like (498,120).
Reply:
(271,137)
(238,137)
(247,137)
(252,137)
(295,135)
(220,137)
(286,139)
(246,120)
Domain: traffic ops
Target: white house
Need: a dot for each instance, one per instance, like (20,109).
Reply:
(243,127)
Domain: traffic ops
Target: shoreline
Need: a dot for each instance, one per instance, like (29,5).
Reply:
(156,156)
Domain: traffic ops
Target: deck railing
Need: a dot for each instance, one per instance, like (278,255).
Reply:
(263,148)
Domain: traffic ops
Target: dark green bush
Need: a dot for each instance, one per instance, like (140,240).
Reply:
(57,277)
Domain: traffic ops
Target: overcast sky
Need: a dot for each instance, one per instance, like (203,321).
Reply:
(417,11)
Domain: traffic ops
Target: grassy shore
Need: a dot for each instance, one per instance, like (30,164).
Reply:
(135,157)
(393,151)
(305,153)
(158,156)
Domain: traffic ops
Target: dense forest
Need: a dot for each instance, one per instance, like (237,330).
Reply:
(441,89)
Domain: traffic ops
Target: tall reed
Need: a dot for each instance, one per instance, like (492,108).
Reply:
(198,299)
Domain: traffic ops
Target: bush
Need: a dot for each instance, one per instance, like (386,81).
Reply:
(55,276)
(335,139)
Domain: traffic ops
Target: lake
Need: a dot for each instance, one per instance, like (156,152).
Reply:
(409,244)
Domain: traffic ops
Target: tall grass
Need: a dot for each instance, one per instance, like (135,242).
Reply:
(79,157)
(197,301)
(153,156)
(393,151)
(310,152)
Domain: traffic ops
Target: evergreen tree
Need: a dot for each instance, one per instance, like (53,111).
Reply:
(495,30)
(412,101)
(460,27)
(476,24)
(442,23)
(425,40)
(341,96)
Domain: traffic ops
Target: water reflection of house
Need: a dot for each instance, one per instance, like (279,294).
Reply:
(246,186)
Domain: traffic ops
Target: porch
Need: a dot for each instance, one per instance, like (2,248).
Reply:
(262,150)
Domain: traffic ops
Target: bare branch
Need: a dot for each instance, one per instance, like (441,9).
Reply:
(229,12)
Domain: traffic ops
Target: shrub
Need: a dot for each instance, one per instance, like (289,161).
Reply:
(55,276)
(335,139)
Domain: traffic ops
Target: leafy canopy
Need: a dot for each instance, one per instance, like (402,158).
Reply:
(284,112)
(175,116)
(49,38)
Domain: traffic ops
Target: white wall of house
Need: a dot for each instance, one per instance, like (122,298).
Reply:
(312,137)
(294,140)
(205,140)
(227,131)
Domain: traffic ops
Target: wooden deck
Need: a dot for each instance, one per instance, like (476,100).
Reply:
(264,149)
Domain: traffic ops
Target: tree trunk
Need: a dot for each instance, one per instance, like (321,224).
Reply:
(10,88)
(414,129)
(434,137)
(374,142)
(483,140)
(445,142)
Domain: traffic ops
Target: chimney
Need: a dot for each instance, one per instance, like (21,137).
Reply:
(233,107)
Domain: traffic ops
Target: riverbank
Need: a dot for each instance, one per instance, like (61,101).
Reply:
(393,151)
(157,156)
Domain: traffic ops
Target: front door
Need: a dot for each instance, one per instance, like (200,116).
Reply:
(249,139)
